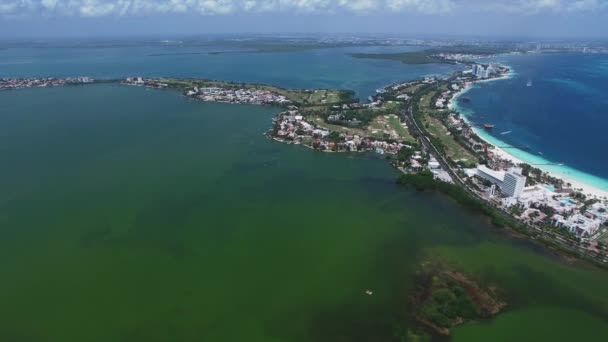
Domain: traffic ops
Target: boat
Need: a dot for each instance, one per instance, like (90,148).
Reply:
(507,132)
(529,84)
(488,126)
(466,99)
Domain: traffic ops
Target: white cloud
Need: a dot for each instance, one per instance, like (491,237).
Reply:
(588,5)
(49,4)
(425,6)
(96,8)
(360,5)
(531,7)
(8,7)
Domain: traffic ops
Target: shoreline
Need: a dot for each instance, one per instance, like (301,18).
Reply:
(576,183)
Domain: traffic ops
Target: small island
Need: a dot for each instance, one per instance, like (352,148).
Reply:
(444,298)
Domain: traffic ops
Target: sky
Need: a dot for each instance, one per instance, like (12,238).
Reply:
(504,18)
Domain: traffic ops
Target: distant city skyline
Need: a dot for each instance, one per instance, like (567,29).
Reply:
(522,18)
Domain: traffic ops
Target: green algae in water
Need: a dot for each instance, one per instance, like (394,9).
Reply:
(536,324)
(136,215)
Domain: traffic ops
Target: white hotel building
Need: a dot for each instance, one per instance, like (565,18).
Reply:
(511,184)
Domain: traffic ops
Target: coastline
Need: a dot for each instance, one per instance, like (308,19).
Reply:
(518,156)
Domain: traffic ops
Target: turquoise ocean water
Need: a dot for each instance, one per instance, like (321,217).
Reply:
(558,122)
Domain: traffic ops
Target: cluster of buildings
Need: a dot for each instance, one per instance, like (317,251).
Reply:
(485,71)
(228,95)
(567,212)
(18,83)
(354,105)
(444,98)
(291,126)
(480,71)
(341,119)
(461,57)
(144,82)
(544,202)
(395,87)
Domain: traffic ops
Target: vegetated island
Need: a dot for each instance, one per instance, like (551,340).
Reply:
(444,298)
(446,55)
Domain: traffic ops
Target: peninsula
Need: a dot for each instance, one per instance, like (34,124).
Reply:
(447,54)
(415,126)
(19,83)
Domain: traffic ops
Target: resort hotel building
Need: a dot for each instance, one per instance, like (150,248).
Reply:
(510,183)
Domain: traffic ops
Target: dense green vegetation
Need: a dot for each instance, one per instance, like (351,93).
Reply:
(448,302)
(444,297)
(282,45)
(417,57)
(431,55)
(424,181)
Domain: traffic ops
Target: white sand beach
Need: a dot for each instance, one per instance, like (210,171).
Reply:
(587,189)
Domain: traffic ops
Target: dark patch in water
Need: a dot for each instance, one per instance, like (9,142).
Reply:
(163,223)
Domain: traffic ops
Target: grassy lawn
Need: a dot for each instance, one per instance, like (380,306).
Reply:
(411,89)
(337,128)
(453,149)
(376,129)
(318,96)
(604,236)
(323,96)
(333,97)
(387,124)
(436,128)
(425,101)
(404,134)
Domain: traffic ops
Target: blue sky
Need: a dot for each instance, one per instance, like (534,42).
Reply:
(550,18)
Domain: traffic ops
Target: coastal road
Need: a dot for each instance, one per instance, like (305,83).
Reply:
(573,246)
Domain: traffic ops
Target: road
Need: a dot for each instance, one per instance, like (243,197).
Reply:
(571,245)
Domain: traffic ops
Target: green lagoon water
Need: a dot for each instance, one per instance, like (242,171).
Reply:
(138,215)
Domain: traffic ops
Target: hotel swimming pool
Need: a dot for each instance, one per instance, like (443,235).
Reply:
(567,200)
(549,187)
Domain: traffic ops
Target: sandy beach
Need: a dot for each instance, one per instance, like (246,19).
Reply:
(587,189)
(575,184)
